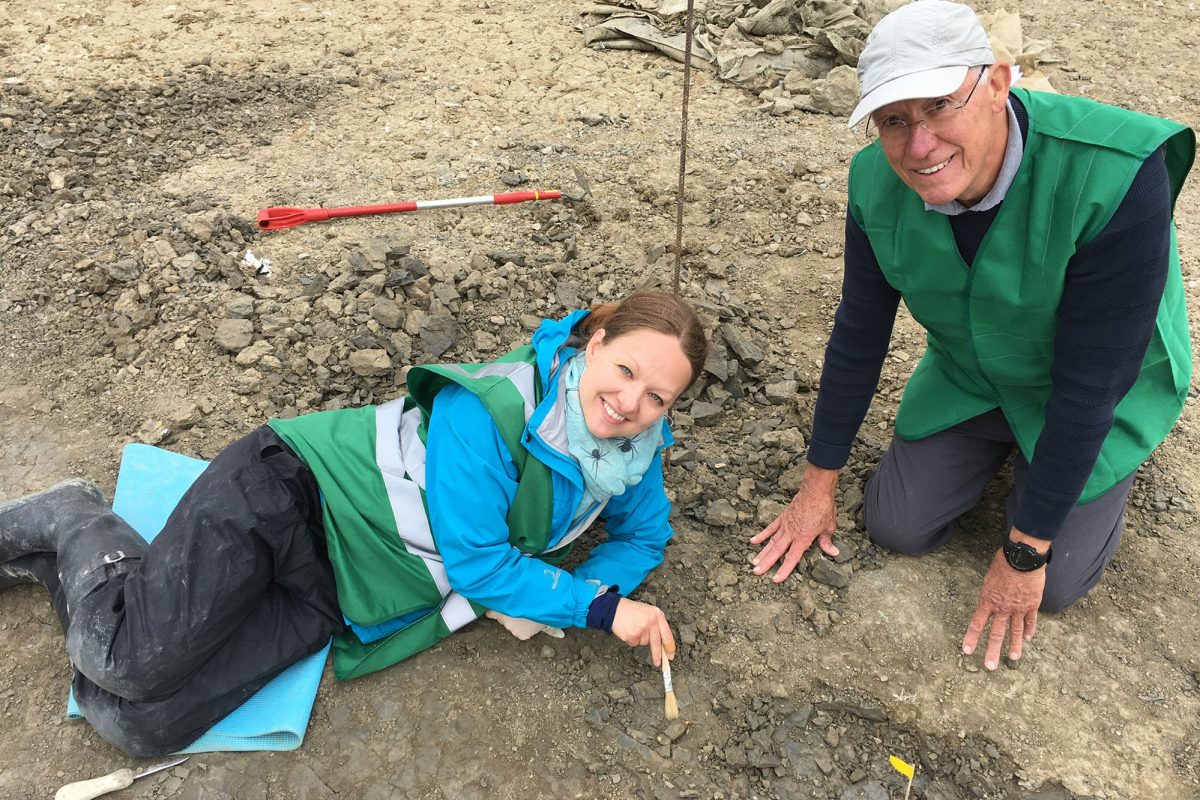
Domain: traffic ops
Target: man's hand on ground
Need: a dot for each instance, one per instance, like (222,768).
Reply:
(812,515)
(1010,599)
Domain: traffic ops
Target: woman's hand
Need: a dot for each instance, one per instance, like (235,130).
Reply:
(639,624)
(524,629)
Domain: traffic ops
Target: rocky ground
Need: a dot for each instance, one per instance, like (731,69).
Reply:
(139,139)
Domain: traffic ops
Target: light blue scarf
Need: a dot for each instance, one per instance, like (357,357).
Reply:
(609,466)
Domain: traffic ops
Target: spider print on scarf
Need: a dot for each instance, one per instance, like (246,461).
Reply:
(597,458)
(627,445)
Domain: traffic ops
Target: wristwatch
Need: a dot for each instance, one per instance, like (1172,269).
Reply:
(1023,557)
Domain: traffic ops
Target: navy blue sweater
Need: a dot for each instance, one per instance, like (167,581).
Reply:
(1114,284)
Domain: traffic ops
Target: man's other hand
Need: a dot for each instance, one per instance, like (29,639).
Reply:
(1010,600)
(811,516)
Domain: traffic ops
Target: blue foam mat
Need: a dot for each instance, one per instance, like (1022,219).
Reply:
(149,485)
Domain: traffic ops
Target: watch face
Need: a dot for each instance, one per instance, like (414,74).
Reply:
(1022,557)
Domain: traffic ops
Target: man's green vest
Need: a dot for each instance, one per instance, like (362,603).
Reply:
(990,326)
(369,463)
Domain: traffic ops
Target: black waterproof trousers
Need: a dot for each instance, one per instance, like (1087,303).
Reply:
(236,588)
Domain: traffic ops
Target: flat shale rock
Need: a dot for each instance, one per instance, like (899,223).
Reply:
(438,333)
(370,362)
(705,414)
(831,574)
(721,513)
(746,351)
(234,334)
(387,313)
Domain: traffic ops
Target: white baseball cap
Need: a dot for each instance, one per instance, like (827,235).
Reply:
(923,49)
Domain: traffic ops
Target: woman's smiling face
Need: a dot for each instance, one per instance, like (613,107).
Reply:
(631,381)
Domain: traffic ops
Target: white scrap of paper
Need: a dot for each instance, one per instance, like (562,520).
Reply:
(262,266)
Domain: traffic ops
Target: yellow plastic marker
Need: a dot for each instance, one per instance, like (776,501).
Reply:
(905,769)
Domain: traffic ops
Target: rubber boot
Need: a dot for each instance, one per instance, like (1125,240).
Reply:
(91,545)
(26,569)
(97,551)
(30,528)
(37,568)
(33,524)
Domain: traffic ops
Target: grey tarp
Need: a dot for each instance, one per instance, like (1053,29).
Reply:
(753,47)
(782,48)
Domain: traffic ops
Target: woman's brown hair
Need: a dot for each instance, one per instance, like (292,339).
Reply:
(662,312)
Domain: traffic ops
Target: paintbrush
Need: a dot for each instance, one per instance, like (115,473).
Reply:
(670,704)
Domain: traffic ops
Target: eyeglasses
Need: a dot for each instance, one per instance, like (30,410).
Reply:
(937,118)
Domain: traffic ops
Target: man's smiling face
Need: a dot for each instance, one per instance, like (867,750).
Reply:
(961,162)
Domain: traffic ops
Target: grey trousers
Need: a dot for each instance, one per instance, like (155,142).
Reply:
(921,487)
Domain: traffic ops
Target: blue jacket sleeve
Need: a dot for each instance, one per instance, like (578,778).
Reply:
(470,485)
(638,529)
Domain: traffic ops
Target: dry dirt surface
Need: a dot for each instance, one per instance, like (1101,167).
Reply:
(138,139)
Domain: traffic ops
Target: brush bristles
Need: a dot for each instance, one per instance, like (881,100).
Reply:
(670,706)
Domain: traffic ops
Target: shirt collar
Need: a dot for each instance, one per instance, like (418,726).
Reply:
(1013,151)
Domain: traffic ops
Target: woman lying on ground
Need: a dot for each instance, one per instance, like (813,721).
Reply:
(387,527)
